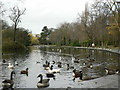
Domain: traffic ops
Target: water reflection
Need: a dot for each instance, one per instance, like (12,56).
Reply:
(35,59)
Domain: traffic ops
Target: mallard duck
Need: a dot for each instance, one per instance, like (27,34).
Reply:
(77,74)
(24,71)
(10,65)
(43,82)
(8,83)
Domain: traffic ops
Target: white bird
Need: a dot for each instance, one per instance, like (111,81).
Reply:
(51,70)
(10,65)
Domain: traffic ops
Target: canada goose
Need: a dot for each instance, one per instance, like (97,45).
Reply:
(117,71)
(24,71)
(43,82)
(8,83)
(50,75)
(51,70)
(90,66)
(16,63)
(69,67)
(53,62)
(4,61)
(37,62)
(10,65)
(77,74)
(76,61)
(46,64)
(60,65)
(88,78)
(109,71)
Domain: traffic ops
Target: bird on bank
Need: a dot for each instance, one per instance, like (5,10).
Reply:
(8,83)
(111,71)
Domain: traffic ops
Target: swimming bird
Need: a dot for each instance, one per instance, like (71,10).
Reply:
(10,65)
(4,61)
(24,71)
(77,74)
(51,70)
(8,83)
(43,82)
(69,67)
(46,64)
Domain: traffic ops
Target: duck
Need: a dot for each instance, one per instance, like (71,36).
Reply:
(10,65)
(43,82)
(24,71)
(51,70)
(77,74)
(8,83)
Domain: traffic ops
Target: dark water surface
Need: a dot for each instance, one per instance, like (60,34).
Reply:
(35,59)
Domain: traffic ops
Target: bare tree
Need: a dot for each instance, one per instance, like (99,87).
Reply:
(15,17)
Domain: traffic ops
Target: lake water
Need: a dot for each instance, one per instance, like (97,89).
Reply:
(37,56)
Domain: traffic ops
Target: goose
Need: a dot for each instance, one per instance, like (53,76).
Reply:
(37,62)
(88,78)
(16,63)
(8,83)
(46,64)
(53,62)
(76,61)
(51,70)
(43,82)
(50,75)
(117,71)
(10,65)
(24,71)
(4,61)
(60,65)
(77,74)
(69,67)
(90,66)
(109,71)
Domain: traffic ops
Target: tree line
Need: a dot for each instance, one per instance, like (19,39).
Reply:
(99,24)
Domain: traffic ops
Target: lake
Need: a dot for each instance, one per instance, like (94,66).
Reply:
(37,56)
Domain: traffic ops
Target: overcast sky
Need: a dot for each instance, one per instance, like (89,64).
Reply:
(51,13)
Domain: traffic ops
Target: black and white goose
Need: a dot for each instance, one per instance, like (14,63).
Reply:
(43,82)
(8,83)
(77,74)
